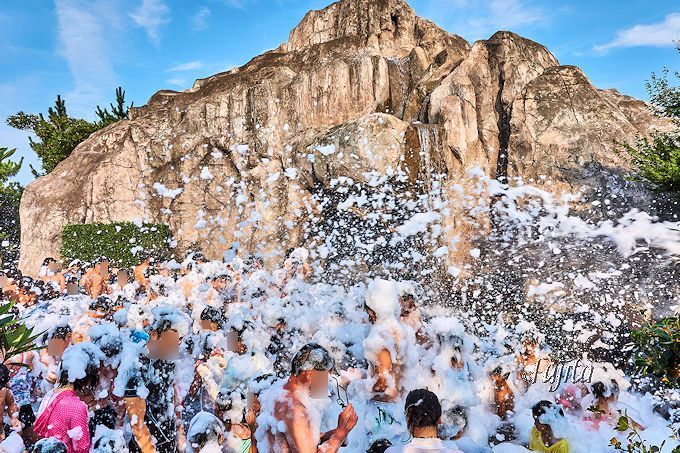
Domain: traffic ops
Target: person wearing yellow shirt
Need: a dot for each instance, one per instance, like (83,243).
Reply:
(542,437)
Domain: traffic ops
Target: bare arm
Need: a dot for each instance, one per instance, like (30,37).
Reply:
(299,433)
(136,409)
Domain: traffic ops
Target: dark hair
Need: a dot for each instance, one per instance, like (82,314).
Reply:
(599,389)
(160,326)
(4,375)
(103,303)
(379,446)
(213,314)
(47,261)
(84,384)
(311,357)
(422,409)
(50,445)
(61,332)
(542,407)
(105,416)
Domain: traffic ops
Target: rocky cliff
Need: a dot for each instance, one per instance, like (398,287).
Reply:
(362,87)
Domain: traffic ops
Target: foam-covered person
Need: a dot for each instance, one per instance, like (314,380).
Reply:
(50,273)
(547,415)
(293,407)
(95,281)
(8,406)
(140,271)
(150,389)
(390,344)
(423,414)
(410,315)
(603,408)
(124,285)
(206,433)
(60,338)
(503,397)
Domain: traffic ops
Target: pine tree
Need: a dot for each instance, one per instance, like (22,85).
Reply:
(118,111)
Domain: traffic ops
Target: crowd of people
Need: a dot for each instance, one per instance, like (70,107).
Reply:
(210,356)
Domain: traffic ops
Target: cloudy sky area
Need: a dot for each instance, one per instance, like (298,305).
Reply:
(84,49)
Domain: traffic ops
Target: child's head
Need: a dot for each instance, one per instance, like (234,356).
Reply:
(50,445)
(203,428)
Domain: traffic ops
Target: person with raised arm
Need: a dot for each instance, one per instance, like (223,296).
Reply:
(309,379)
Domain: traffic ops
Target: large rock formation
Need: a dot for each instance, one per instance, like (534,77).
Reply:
(357,88)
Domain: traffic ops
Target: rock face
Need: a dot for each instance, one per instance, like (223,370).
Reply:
(356,89)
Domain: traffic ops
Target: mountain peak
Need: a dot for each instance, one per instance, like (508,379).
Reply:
(389,20)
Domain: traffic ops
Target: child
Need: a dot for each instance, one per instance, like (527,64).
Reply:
(7,402)
(206,433)
(542,436)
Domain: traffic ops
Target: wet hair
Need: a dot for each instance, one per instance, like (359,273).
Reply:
(160,326)
(85,384)
(47,261)
(601,390)
(459,416)
(213,314)
(4,375)
(204,427)
(379,446)
(422,409)
(61,332)
(103,303)
(312,357)
(105,416)
(542,407)
(50,445)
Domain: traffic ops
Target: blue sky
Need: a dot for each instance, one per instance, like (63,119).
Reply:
(84,49)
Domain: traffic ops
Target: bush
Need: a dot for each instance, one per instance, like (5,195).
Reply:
(657,350)
(120,242)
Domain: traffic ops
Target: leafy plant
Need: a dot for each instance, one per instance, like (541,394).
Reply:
(658,159)
(120,242)
(59,133)
(656,348)
(635,442)
(15,336)
(10,197)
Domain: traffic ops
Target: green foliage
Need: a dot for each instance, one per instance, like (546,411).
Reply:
(635,442)
(658,159)
(10,197)
(58,134)
(656,348)
(118,111)
(15,337)
(116,241)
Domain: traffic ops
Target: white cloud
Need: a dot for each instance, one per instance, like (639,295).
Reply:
(659,34)
(84,30)
(478,20)
(178,82)
(151,16)
(189,66)
(199,20)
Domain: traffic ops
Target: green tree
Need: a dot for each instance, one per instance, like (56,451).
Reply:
(118,111)
(658,159)
(10,196)
(58,133)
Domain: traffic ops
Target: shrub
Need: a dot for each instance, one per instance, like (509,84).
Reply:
(15,336)
(657,349)
(120,242)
